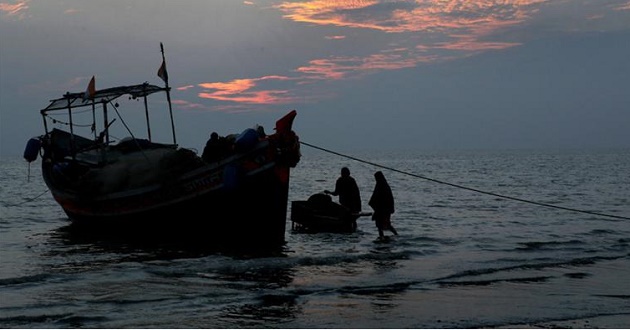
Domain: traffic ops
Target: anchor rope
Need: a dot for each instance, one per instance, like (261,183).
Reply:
(463,187)
(28,200)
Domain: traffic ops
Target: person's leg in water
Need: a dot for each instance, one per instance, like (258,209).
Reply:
(378,221)
(380,226)
(388,224)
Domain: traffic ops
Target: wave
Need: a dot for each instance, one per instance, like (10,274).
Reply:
(618,296)
(530,246)
(534,279)
(534,266)
(24,279)
(377,289)
(75,321)
(29,320)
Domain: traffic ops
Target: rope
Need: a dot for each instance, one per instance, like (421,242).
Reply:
(28,200)
(463,187)
(58,121)
(130,133)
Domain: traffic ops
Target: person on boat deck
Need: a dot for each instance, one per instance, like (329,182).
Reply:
(212,150)
(382,202)
(348,191)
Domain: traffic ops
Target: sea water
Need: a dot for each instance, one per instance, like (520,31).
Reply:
(462,259)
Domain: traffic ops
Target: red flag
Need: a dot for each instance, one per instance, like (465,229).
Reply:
(90,91)
(162,72)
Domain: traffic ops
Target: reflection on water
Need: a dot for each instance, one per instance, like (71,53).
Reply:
(158,245)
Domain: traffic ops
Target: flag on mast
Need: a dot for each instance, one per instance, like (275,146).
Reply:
(162,72)
(90,90)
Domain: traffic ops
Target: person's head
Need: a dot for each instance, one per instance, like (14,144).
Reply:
(345,171)
(379,176)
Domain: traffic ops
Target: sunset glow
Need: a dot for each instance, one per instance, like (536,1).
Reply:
(431,73)
(461,26)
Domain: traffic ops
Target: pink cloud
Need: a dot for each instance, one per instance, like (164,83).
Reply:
(243,91)
(468,21)
(17,9)
(625,6)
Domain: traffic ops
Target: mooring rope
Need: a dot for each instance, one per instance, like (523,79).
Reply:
(28,200)
(463,187)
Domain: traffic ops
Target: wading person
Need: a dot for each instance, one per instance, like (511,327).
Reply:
(382,202)
(348,191)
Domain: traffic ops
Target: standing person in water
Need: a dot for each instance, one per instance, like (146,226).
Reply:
(348,191)
(382,202)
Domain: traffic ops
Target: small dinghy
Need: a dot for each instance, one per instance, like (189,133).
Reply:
(320,214)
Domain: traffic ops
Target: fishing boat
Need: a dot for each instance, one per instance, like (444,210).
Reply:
(142,186)
(320,214)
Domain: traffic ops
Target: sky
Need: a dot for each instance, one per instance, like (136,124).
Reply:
(361,74)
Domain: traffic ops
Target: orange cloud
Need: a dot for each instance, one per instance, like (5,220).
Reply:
(468,44)
(242,91)
(183,88)
(336,68)
(14,9)
(471,20)
(461,26)
(431,31)
(454,25)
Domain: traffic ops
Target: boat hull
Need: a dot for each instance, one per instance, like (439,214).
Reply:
(211,203)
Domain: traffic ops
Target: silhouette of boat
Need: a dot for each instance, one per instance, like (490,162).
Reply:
(140,186)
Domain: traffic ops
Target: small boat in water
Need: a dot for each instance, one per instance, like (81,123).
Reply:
(320,214)
(146,187)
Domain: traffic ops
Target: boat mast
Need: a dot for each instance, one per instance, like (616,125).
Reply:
(168,93)
(72,141)
(105,120)
(146,112)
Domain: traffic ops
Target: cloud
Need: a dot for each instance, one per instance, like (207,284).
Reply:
(17,9)
(243,91)
(455,26)
(436,26)
(336,68)
(408,16)
(409,33)
(625,6)
(71,11)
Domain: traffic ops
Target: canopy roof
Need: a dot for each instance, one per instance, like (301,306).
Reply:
(78,100)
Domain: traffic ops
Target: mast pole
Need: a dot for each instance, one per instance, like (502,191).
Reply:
(146,113)
(168,94)
(73,149)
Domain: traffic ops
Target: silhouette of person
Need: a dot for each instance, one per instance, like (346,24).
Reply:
(348,191)
(212,150)
(382,202)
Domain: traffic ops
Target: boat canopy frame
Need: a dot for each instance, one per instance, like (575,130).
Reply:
(78,100)
(72,101)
